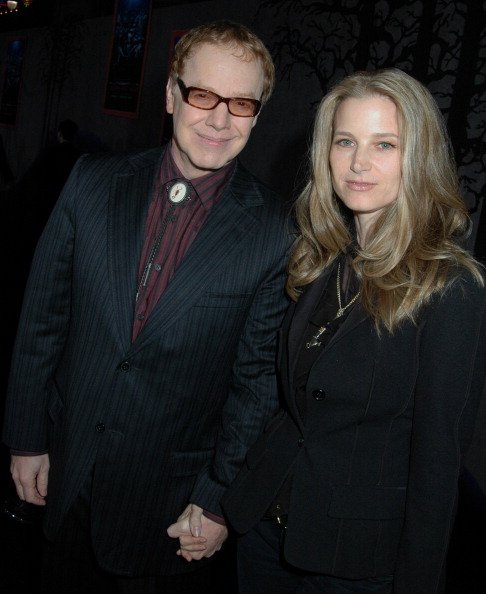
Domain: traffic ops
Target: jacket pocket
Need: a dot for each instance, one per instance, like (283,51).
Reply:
(367,502)
(224,300)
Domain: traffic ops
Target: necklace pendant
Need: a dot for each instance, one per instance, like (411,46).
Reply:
(314,341)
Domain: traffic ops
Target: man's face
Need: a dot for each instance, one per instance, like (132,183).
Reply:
(205,141)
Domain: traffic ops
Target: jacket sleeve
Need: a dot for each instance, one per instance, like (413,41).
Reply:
(42,329)
(452,353)
(253,398)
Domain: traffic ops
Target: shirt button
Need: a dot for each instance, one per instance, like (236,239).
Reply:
(158,267)
(125,366)
(300,443)
(100,427)
(318,394)
(140,316)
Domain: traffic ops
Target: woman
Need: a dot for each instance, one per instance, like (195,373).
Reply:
(352,487)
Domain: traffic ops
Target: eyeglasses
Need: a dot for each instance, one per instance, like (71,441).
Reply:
(242,107)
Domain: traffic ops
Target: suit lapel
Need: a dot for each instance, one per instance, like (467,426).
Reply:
(303,311)
(130,195)
(356,316)
(296,324)
(293,328)
(226,228)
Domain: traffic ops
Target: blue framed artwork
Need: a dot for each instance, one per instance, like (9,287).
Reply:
(125,71)
(12,81)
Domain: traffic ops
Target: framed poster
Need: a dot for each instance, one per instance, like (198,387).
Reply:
(174,38)
(125,71)
(12,81)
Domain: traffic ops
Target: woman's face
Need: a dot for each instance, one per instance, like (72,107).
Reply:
(365,157)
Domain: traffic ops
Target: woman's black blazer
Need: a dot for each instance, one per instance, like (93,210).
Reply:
(376,462)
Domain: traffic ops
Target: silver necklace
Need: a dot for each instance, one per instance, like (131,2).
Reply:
(314,341)
(342,309)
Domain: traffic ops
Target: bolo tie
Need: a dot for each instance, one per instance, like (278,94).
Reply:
(178,193)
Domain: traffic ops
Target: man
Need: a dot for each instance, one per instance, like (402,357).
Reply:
(144,362)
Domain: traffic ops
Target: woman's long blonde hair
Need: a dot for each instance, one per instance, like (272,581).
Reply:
(412,249)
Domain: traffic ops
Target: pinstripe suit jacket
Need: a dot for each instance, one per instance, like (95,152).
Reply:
(167,419)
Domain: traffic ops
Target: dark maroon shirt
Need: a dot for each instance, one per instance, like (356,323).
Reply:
(181,228)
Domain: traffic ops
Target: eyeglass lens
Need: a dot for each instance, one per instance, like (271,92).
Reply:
(202,99)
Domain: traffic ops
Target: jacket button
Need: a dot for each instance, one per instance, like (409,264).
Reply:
(100,427)
(125,366)
(300,443)
(318,394)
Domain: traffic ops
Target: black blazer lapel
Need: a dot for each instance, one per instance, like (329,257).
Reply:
(356,316)
(303,310)
(294,328)
(130,195)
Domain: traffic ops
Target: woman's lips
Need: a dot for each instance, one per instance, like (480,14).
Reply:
(360,186)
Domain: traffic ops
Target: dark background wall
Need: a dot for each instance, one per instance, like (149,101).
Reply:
(314,43)
(441,42)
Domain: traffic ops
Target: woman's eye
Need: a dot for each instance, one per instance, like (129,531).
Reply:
(386,145)
(344,142)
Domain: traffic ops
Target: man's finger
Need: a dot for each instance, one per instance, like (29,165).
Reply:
(195,524)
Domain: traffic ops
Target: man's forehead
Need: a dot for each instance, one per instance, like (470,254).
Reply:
(233,48)
(223,69)
(209,54)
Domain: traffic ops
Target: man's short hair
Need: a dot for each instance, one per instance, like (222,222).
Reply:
(225,33)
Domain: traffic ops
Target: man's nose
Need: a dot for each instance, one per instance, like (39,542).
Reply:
(219,117)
